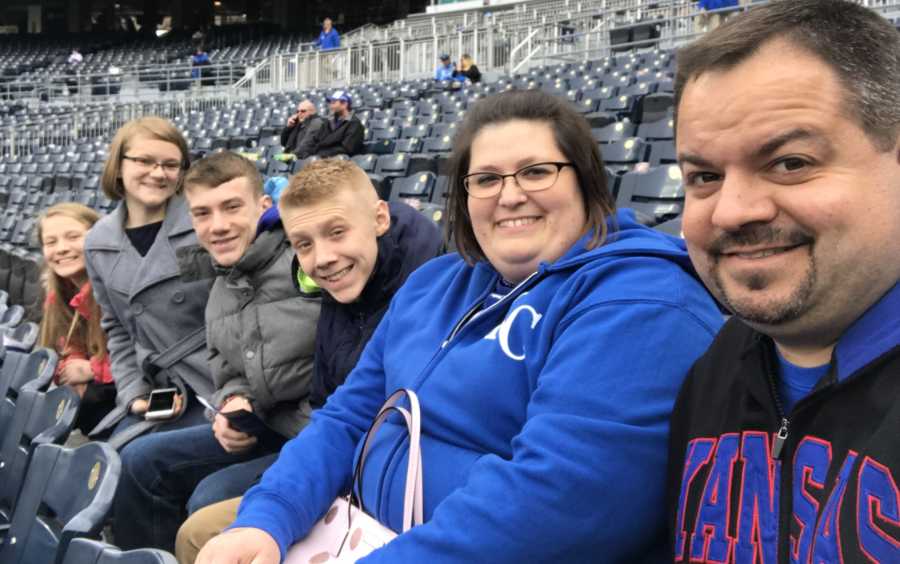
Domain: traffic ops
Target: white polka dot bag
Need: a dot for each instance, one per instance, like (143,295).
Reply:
(346,532)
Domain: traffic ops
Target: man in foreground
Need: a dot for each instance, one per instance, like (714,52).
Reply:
(784,439)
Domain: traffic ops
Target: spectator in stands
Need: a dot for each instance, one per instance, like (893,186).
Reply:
(788,134)
(468,70)
(385,243)
(710,21)
(200,58)
(151,279)
(342,134)
(546,357)
(328,37)
(75,56)
(261,338)
(445,69)
(299,134)
(71,321)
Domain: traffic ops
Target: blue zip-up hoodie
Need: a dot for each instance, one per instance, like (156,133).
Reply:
(328,40)
(544,416)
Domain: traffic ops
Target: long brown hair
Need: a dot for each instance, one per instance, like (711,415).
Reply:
(62,327)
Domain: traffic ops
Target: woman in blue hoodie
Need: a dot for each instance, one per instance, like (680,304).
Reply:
(546,356)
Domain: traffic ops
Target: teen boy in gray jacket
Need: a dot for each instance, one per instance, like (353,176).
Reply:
(261,340)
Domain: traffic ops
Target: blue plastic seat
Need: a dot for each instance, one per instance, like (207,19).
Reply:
(88,551)
(67,494)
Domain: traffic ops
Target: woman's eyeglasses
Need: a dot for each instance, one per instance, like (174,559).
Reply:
(532,178)
(146,163)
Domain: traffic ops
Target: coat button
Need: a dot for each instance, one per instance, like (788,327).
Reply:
(178,297)
(137,308)
(250,355)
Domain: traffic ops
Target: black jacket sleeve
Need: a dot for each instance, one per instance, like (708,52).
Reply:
(351,141)
(307,145)
(473,74)
(286,134)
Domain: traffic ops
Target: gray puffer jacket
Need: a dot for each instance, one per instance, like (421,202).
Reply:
(261,334)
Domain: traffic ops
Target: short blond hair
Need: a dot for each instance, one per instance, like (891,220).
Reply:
(322,179)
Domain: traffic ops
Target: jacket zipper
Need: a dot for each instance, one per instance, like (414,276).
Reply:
(460,325)
(782,435)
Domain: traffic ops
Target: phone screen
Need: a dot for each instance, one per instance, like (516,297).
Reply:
(162,400)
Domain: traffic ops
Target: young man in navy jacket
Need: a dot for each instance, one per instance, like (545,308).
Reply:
(365,250)
(784,439)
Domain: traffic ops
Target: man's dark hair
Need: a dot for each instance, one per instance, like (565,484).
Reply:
(573,137)
(220,168)
(860,46)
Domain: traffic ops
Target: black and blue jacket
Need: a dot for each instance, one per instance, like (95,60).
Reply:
(344,329)
(750,483)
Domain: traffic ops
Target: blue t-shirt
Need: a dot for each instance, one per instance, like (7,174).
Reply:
(795,382)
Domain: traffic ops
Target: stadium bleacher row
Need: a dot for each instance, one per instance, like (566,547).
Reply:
(51,497)
(409,128)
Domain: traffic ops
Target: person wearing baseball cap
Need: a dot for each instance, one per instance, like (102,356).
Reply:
(444,70)
(343,132)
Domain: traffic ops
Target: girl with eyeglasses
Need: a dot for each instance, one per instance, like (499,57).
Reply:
(546,354)
(151,279)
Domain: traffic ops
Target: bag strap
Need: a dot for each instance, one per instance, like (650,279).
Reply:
(175,352)
(412,499)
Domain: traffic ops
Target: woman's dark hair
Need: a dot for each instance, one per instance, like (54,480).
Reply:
(573,137)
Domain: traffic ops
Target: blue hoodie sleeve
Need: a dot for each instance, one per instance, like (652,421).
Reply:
(587,477)
(316,465)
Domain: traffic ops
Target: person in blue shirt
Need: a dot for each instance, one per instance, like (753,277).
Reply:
(546,355)
(328,37)
(200,58)
(445,70)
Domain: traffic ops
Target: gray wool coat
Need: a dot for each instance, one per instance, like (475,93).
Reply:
(261,334)
(149,302)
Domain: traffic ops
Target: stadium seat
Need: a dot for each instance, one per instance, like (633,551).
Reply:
(365,162)
(11,318)
(617,131)
(621,105)
(389,133)
(408,145)
(656,195)
(438,144)
(88,551)
(39,418)
(22,338)
(392,165)
(20,368)
(661,152)
(419,187)
(657,130)
(382,147)
(67,494)
(655,107)
(622,155)
(416,131)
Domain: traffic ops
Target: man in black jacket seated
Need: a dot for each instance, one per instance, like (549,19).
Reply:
(302,130)
(358,250)
(343,133)
(785,439)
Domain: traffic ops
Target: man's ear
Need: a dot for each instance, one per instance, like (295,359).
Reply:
(265,201)
(382,218)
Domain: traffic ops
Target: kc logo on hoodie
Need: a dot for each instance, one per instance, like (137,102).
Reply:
(500,333)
